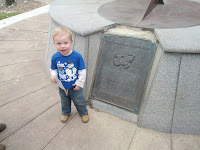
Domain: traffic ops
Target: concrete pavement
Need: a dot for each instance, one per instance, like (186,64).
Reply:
(30,104)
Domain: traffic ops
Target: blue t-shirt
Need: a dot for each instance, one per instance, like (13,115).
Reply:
(67,67)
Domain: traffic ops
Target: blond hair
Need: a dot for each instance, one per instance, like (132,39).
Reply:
(60,31)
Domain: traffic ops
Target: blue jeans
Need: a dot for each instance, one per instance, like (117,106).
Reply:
(78,99)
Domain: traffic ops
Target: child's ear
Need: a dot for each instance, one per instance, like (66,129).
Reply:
(53,42)
(72,41)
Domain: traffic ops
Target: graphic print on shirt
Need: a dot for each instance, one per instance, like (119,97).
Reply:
(66,71)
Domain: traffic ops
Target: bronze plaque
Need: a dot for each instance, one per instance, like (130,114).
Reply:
(124,63)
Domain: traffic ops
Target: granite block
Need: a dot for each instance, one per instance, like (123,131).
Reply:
(181,40)
(157,109)
(158,55)
(81,46)
(122,113)
(186,115)
(94,45)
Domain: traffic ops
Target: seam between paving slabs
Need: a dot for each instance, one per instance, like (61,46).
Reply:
(26,95)
(70,119)
(30,121)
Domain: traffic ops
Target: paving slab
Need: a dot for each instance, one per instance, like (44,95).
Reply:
(37,133)
(102,132)
(43,19)
(25,25)
(26,108)
(185,142)
(12,35)
(22,57)
(145,139)
(18,46)
(20,87)
(20,70)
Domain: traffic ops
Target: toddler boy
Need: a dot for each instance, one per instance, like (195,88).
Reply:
(68,67)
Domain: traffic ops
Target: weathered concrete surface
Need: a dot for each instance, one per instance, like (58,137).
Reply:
(22,57)
(22,46)
(145,139)
(40,131)
(20,70)
(185,142)
(11,34)
(102,132)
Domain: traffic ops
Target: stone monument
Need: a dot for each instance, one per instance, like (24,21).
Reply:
(142,58)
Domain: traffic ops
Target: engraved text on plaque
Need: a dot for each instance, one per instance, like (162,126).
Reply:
(122,71)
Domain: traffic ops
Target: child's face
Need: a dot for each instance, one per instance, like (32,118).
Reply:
(63,44)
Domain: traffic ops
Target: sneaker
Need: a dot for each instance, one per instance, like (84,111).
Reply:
(64,118)
(2,126)
(2,147)
(85,118)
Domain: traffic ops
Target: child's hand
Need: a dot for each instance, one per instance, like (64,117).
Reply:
(76,87)
(53,79)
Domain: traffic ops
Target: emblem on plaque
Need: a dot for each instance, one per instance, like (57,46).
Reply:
(123,60)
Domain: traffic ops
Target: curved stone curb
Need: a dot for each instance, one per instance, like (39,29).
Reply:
(79,16)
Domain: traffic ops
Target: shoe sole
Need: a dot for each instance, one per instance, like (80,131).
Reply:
(3,128)
(64,121)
